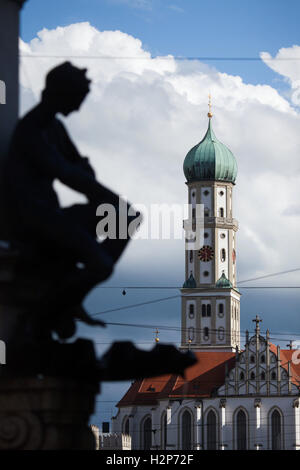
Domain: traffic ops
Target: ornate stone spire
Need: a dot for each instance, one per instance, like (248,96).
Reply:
(257,320)
(209,114)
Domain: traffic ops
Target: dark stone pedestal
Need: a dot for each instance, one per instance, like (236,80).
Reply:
(46,413)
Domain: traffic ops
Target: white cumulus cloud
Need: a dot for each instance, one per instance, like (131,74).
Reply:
(143,115)
(287,63)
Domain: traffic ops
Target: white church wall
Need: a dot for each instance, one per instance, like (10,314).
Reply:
(223,244)
(221,201)
(191,316)
(206,199)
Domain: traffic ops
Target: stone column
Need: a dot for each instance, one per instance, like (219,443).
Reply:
(198,427)
(257,429)
(296,408)
(48,413)
(9,69)
(222,406)
(171,428)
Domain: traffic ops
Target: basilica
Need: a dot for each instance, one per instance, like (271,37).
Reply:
(237,396)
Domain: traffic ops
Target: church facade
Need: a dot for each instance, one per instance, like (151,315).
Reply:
(235,397)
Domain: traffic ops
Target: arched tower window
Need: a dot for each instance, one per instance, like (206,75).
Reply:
(241,431)
(221,212)
(276,430)
(208,310)
(126,426)
(147,430)
(221,308)
(263,359)
(223,255)
(191,256)
(203,310)
(206,333)
(211,431)
(191,311)
(186,431)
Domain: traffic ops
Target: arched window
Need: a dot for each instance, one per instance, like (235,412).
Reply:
(126,426)
(252,376)
(221,212)
(193,213)
(223,255)
(191,255)
(206,333)
(211,431)
(147,431)
(263,376)
(221,333)
(221,308)
(276,430)
(191,311)
(186,431)
(263,359)
(242,376)
(252,359)
(208,310)
(191,333)
(203,310)
(164,431)
(241,431)
(273,376)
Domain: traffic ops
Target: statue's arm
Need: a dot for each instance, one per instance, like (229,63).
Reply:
(50,162)
(72,150)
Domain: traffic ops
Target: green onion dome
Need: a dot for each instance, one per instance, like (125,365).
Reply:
(210,160)
(223,282)
(190,283)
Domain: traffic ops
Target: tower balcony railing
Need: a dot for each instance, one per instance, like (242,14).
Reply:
(221,221)
(214,221)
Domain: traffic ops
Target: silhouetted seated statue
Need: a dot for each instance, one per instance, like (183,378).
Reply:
(59,259)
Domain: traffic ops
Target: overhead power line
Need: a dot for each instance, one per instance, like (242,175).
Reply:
(136,305)
(265,276)
(166,57)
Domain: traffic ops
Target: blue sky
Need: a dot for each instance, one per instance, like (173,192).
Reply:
(189,28)
(159,119)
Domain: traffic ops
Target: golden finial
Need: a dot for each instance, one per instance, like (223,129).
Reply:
(209,114)
(156,337)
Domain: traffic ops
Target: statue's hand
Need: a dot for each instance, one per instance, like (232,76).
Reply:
(85,164)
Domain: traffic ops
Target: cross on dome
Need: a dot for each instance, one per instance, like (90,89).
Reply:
(257,320)
(209,114)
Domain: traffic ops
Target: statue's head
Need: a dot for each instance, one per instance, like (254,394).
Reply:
(66,88)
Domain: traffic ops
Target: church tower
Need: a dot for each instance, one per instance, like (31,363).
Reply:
(210,298)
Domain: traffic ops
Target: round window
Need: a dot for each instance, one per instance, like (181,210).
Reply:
(205,273)
(222,235)
(206,192)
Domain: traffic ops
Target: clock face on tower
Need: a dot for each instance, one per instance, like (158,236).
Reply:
(206,253)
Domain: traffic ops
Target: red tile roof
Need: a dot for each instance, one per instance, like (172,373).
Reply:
(200,380)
